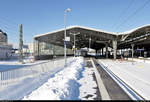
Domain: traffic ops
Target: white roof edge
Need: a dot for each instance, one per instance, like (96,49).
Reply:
(74,26)
(98,30)
(132,30)
(69,27)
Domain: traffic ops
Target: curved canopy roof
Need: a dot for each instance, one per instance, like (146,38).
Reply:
(98,37)
(138,36)
(145,27)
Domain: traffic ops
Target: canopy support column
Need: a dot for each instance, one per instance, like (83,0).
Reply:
(115,48)
(102,51)
(106,50)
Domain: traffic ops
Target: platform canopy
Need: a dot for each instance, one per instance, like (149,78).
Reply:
(139,37)
(99,38)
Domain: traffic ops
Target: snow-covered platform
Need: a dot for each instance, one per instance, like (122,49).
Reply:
(75,82)
(81,79)
(51,80)
(134,74)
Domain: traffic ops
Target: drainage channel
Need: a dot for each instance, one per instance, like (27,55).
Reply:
(114,90)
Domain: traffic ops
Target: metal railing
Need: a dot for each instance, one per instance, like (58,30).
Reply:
(14,76)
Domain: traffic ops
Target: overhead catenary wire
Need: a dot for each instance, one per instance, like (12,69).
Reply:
(133,14)
(5,27)
(6,30)
(8,24)
(124,12)
(10,21)
(9,31)
(9,27)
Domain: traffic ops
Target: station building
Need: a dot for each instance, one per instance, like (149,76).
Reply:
(135,42)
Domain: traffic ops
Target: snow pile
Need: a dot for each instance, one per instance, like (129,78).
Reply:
(38,74)
(87,85)
(74,82)
(63,86)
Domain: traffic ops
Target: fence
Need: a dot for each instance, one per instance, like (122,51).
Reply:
(14,76)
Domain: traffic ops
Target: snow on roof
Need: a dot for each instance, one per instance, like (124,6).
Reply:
(98,30)
(133,30)
(88,28)
(75,26)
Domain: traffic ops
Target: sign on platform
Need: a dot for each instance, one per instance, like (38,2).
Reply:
(67,39)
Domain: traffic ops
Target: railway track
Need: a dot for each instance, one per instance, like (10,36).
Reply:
(116,88)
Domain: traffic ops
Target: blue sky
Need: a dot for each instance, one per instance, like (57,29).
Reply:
(41,16)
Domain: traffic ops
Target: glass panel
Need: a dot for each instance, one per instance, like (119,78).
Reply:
(47,49)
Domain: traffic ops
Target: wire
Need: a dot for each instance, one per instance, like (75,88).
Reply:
(124,12)
(5,19)
(134,13)
(9,28)
(6,23)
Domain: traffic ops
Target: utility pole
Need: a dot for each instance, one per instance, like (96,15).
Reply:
(20,45)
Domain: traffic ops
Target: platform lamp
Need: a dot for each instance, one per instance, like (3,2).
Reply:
(65,13)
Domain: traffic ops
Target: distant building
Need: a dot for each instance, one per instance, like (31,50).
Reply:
(31,47)
(27,49)
(5,48)
(3,38)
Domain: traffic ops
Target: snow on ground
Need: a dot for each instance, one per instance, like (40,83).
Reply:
(87,85)
(20,82)
(136,74)
(145,60)
(14,64)
(74,82)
